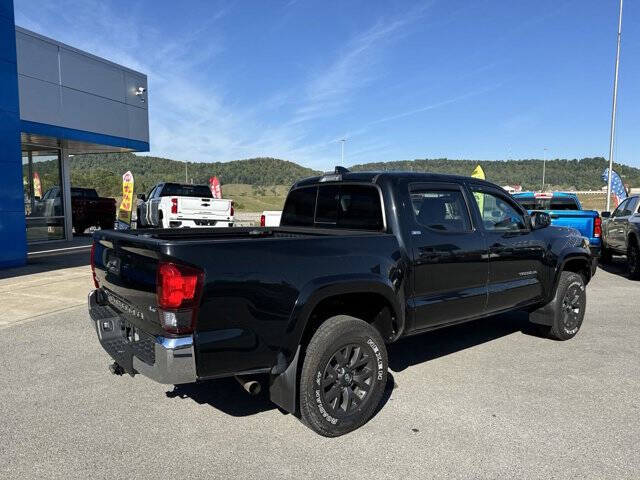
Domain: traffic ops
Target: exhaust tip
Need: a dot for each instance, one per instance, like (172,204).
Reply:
(252,387)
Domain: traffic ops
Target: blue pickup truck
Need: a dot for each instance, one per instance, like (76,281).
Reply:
(565,211)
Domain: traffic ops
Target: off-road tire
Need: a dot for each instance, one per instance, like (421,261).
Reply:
(343,355)
(569,305)
(633,259)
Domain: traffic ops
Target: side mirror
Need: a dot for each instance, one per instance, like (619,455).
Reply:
(605,214)
(142,196)
(540,220)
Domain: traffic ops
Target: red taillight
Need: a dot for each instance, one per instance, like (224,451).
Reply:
(597,227)
(93,266)
(232,210)
(178,293)
(263,220)
(174,205)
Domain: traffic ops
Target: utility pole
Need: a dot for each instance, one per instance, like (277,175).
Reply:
(613,110)
(185,173)
(342,140)
(544,166)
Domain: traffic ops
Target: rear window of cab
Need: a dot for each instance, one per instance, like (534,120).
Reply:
(355,207)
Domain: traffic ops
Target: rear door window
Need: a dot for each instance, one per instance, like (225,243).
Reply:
(176,190)
(444,210)
(560,203)
(355,207)
(567,203)
(300,207)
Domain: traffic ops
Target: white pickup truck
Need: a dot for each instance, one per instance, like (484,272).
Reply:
(175,205)
(270,218)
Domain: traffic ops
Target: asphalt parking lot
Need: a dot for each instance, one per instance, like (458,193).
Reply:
(482,400)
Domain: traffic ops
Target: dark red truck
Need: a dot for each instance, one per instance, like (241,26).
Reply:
(88,209)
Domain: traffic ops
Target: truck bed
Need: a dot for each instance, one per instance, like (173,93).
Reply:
(162,236)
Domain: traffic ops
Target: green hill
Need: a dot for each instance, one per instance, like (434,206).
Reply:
(252,180)
(104,171)
(584,174)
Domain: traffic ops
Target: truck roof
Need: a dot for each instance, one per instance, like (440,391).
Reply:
(343,175)
(546,194)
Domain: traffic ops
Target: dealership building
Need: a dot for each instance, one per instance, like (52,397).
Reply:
(55,102)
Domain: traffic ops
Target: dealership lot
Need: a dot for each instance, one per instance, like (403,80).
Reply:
(483,400)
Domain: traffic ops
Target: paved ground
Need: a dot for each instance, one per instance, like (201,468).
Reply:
(56,278)
(484,400)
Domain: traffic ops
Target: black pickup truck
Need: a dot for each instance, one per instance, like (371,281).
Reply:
(359,260)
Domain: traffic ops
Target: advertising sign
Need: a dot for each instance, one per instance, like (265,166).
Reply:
(617,188)
(479,173)
(216,188)
(37,185)
(124,212)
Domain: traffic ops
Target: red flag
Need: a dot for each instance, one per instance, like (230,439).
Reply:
(214,186)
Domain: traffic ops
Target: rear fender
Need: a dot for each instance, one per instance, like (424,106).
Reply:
(284,380)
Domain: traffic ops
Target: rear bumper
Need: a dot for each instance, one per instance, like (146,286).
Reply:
(163,359)
(198,223)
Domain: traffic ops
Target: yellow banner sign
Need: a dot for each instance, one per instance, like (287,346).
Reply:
(124,213)
(479,173)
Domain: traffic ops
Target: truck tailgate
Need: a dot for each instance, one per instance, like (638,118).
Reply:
(581,220)
(200,206)
(126,271)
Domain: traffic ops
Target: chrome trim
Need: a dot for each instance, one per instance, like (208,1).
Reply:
(175,360)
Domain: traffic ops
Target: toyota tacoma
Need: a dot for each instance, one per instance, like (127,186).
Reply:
(360,260)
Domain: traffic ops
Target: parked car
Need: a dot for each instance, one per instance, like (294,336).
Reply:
(566,211)
(270,218)
(175,205)
(87,208)
(622,234)
(359,260)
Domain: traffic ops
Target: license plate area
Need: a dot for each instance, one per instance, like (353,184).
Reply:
(122,340)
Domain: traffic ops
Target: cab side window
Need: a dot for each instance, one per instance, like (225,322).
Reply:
(444,210)
(498,212)
(633,205)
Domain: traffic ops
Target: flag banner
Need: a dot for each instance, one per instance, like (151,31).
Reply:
(37,185)
(617,188)
(215,187)
(479,173)
(124,212)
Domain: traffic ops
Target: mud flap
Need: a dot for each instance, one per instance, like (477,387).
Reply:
(283,389)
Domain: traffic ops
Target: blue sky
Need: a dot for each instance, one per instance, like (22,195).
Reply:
(398,79)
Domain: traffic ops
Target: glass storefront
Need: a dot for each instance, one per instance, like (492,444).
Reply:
(43,193)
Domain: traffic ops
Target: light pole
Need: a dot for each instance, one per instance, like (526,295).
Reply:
(613,110)
(342,140)
(544,166)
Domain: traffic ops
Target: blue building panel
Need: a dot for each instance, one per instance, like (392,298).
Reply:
(82,136)
(13,237)
(9,87)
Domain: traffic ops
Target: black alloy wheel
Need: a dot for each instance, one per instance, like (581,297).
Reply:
(348,379)
(572,308)
(343,376)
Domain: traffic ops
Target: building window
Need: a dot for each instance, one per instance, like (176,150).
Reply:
(43,194)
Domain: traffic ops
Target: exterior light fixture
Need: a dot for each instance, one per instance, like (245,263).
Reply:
(140,93)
